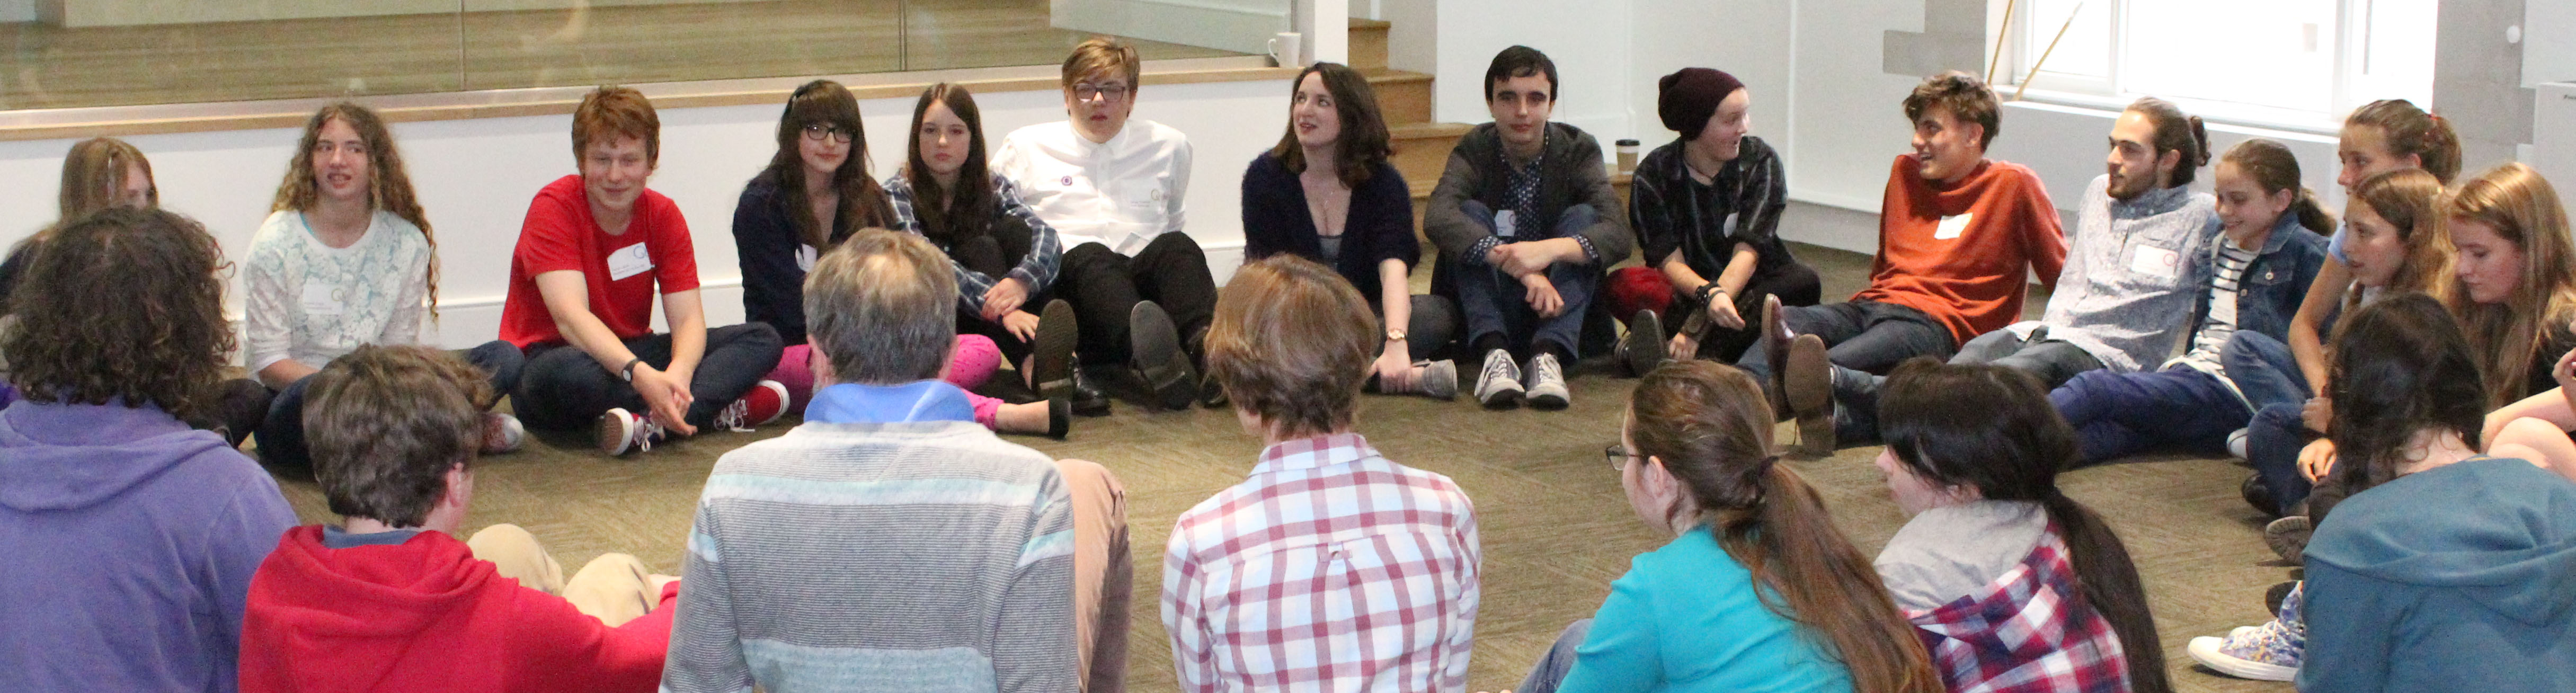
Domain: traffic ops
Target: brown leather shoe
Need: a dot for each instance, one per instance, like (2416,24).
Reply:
(1775,351)
(1807,380)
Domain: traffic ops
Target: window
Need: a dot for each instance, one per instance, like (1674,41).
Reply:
(2275,61)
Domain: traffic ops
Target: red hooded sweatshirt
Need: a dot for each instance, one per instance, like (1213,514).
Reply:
(425,615)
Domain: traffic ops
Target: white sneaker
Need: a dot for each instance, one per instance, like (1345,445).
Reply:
(621,431)
(2236,442)
(1499,387)
(502,433)
(1546,384)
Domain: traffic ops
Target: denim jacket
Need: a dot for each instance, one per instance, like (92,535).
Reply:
(2276,282)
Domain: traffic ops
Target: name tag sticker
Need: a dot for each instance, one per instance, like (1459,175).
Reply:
(629,261)
(805,258)
(1731,226)
(1505,222)
(323,299)
(2155,262)
(1951,227)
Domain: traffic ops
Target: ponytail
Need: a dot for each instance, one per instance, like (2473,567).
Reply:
(2409,130)
(2111,588)
(2312,215)
(2176,132)
(2274,169)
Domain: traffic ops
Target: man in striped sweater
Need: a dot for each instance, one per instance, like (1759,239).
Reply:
(890,543)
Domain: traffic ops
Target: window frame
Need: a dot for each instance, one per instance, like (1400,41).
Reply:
(2350,40)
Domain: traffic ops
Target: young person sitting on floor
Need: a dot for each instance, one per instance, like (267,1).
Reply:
(1958,234)
(2280,376)
(2013,585)
(1326,193)
(1526,221)
(2139,255)
(1112,187)
(1303,555)
(1706,208)
(889,542)
(819,172)
(596,249)
(132,538)
(390,599)
(2399,596)
(1757,590)
(2259,269)
(344,260)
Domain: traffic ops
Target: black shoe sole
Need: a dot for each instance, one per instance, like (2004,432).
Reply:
(1644,343)
(1059,418)
(1156,348)
(1051,360)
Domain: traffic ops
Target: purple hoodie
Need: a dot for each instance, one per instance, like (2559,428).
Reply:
(130,540)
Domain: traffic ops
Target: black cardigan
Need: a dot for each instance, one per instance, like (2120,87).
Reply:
(1379,226)
(765,240)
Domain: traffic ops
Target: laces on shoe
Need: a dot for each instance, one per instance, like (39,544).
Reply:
(736,417)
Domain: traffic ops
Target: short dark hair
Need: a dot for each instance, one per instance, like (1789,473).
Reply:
(1521,61)
(385,423)
(1964,97)
(158,337)
(1363,144)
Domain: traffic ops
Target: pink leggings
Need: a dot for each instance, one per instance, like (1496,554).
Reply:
(973,364)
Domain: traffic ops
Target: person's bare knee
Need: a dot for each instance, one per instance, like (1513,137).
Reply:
(2536,440)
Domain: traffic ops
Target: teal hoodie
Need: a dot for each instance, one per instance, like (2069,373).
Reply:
(2458,578)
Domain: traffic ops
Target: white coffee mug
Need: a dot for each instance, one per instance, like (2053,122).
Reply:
(1289,49)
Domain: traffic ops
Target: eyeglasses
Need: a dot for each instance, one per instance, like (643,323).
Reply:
(1110,92)
(818,131)
(1619,457)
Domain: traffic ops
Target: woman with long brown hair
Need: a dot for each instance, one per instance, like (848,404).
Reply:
(1758,589)
(98,173)
(2007,578)
(346,258)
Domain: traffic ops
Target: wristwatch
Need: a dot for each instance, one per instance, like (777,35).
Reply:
(1395,334)
(628,373)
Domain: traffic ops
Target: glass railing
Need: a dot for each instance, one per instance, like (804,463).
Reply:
(88,53)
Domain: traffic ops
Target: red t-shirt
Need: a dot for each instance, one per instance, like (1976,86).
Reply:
(559,234)
(1961,253)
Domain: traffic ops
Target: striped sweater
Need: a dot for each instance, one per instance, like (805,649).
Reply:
(918,553)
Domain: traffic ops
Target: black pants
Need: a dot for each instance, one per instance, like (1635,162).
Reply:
(564,388)
(1794,282)
(1103,286)
(281,436)
(994,255)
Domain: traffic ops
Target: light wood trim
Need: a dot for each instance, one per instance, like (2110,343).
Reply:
(292,113)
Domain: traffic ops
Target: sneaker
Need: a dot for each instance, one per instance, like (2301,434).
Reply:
(763,404)
(2236,442)
(621,432)
(1775,352)
(502,433)
(1546,385)
(2268,652)
(2288,537)
(1155,347)
(1807,383)
(1051,350)
(1643,347)
(1500,385)
(1438,380)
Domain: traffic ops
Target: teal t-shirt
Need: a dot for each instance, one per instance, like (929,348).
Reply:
(1686,618)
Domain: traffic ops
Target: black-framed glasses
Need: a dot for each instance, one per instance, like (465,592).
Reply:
(1619,457)
(1086,91)
(818,131)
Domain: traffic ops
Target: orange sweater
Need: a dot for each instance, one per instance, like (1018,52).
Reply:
(1959,253)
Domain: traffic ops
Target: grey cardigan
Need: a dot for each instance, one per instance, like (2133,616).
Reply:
(1575,175)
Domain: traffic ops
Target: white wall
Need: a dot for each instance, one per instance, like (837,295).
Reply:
(1589,42)
(476,176)
(17,10)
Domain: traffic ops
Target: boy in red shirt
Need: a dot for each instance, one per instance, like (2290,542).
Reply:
(1957,234)
(391,601)
(592,254)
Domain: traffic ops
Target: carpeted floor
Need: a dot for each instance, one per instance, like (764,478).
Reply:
(1556,529)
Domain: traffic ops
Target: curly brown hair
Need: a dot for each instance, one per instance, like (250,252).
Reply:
(388,186)
(1964,96)
(158,338)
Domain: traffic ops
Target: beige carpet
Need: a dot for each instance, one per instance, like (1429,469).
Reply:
(1556,529)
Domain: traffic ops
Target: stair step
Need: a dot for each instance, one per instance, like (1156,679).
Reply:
(1422,150)
(1368,43)
(1403,97)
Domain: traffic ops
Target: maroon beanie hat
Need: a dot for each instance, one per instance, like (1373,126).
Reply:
(1687,98)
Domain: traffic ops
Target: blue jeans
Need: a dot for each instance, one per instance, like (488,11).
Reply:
(2055,362)
(2264,369)
(1559,660)
(2116,415)
(1494,302)
(281,435)
(2272,444)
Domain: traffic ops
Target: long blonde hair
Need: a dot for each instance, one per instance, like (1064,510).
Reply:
(388,186)
(2523,209)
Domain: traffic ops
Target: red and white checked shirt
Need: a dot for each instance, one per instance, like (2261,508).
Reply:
(2029,631)
(1329,569)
